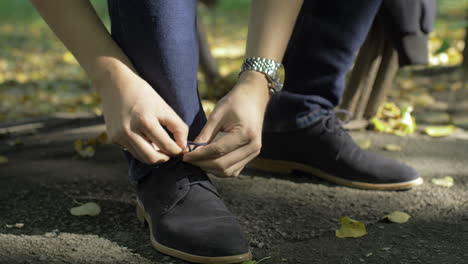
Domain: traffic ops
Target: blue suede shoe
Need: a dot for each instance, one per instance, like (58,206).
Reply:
(186,216)
(326,150)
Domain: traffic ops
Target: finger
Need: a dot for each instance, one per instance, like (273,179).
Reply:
(228,143)
(178,129)
(128,147)
(228,160)
(236,169)
(237,173)
(156,133)
(233,170)
(146,151)
(209,131)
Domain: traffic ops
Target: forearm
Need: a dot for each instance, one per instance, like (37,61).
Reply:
(77,25)
(270,27)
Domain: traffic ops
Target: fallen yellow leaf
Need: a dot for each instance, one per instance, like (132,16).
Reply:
(391,119)
(350,228)
(407,84)
(87,152)
(391,147)
(398,217)
(97,111)
(407,123)
(446,181)
(423,99)
(91,209)
(364,143)
(17,225)
(439,131)
(378,124)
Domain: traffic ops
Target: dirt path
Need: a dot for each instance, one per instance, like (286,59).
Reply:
(290,218)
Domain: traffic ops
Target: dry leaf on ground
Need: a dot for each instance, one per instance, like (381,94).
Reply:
(91,209)
(17,225)
(439,131)
(364,143)
(83,150)
(398,217)
(392,147)
(350,228)
(446,181)
(423,99)
(391,119)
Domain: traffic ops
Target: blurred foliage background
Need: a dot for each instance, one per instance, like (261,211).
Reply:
(39,77)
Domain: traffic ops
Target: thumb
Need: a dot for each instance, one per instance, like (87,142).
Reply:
(209,131)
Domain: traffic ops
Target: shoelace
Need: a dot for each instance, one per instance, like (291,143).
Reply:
(195,175)
(331,122)
(194,145)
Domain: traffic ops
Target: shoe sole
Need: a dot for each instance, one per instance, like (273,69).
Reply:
(286,167)
(144,218)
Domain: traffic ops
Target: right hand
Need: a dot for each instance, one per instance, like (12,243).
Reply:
(135,117)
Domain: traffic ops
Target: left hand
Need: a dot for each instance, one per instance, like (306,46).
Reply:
(237,120)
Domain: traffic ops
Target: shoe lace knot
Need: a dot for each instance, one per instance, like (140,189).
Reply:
(331,122)
(191,175)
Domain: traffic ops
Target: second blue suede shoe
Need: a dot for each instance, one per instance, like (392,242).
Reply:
(187,218)
(327,151)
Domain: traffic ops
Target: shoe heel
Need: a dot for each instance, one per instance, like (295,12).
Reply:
(140,213)
(275,166)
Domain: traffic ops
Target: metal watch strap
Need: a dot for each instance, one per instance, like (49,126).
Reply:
(266,66)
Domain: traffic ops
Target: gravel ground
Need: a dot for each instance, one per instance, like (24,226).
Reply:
(289,218)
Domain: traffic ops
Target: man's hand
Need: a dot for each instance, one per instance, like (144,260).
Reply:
(236,123)
(136,116)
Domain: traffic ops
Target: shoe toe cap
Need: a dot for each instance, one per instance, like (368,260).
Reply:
(385,170)
(216,237)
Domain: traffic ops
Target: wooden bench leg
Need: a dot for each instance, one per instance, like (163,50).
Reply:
(364,73)
(372,76)
(384,81)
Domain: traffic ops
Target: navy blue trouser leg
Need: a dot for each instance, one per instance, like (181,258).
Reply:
(160,39)
(322,48)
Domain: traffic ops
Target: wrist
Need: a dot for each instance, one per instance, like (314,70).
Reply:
(253,77)
(106,71)
(254,85)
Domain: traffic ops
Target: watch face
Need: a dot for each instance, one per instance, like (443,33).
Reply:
(280,76)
